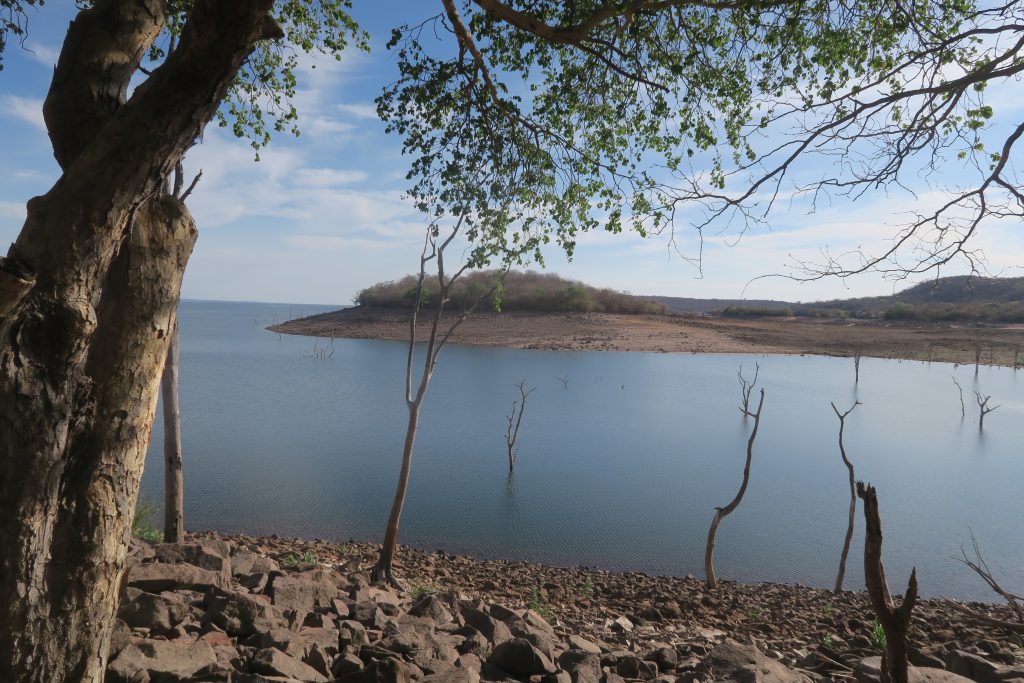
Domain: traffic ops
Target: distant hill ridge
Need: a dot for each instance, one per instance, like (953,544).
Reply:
(955,298)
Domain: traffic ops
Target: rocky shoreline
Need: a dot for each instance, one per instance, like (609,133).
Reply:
(255,610)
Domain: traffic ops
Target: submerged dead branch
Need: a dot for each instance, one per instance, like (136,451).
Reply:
(515,419)
(853,496)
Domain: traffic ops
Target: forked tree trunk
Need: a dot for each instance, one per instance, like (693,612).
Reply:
(895,621)
(853,498)
(83,344)
(721,513)
(174,478)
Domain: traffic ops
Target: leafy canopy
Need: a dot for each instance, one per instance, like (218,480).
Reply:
(539,119)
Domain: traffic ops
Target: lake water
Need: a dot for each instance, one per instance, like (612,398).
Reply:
(620,469)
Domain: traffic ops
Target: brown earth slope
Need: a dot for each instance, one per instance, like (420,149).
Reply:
(955,343)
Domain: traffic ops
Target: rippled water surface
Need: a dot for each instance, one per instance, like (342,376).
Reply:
(620,469)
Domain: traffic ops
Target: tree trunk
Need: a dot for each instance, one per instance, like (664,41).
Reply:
(721,513)
(174,485)
(895,621)
(853,498)
(83,344)
(384,569)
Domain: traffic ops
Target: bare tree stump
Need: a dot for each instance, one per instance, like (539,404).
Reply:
(895,620)
(853,496)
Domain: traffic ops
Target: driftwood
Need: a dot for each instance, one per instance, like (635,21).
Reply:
(1016,602)
(720,513)
(853,496)
(895,620)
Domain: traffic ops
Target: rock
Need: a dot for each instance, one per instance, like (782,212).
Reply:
(205,553)
(431,607)
(582,667)
(453,676)
(159,613)
(581,643)
(383,671)
(242,615)
(621,624)
(665,658)
(302,593)
(493,630)
(368,614)
(154,577)
(162,658)
(244,562)
(971,666)
(635,668)
(273,662)
(870,671)
(520,658)
(733,661)
(120,638)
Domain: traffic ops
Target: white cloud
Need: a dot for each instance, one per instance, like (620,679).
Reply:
(327,177)
(44,54)
(27,109)
(359,111)
(13,211)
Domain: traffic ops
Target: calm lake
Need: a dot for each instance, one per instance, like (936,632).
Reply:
(620,469)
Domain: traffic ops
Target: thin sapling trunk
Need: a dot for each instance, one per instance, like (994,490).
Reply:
(853,496)
(720,513)
(515,419)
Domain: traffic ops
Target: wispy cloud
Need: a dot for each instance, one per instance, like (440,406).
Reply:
(26,109)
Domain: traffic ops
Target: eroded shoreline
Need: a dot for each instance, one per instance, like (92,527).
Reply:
(936,342)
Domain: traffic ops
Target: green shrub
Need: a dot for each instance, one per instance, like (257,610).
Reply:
(142,522)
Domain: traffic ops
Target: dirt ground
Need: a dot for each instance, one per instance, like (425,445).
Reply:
(941,342)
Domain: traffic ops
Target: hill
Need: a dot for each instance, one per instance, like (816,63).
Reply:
(520,291)
(958,298)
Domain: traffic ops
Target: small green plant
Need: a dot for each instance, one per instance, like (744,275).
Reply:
(829,642)
(421,590)
(755,613)
(878,635)
(540,606)
(827,610)
(587,587)
(142,522)
(291,559)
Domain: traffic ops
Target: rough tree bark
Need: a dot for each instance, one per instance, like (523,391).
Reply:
(83,344)
(721,513)
(174,477)
(895,620)
(853,497)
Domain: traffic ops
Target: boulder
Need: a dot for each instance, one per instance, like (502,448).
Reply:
(665,658)
(746,664)
(205,553)
(154,577)
(158,613)
(246,562)
(383,671)
(582,667)
(453,676)
(302,592)
(972,666)
(243,615)
(632,667)
(431,607)
(163,658)
(273,662)
(493,630)
(120,638)
(869,670)
(580,643)
(519,657)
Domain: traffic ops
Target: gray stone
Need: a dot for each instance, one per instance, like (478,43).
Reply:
(583,667)
(431,607)
(493,630)
(520,658)
(665,658)
(245,562)
(972,666)
(161,658)
(242,615)
(746,664)
(636,668)
(581,643)
(154,577)
(272,661)
(453,676)
(205,553)
(120,638)
(302,593)
(383,671)
(159,613)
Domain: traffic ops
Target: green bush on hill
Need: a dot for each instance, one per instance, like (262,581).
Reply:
(520,291)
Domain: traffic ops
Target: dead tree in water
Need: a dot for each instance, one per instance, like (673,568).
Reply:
(963,410)
(433,250)
(746,388)
(174,479)
(853,496)
(856,364)
(1016,602)
(977,357)
(512,433)
(983,408)
(895,621)
(720,513)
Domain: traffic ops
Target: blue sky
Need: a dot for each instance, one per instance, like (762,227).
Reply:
(321,216)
